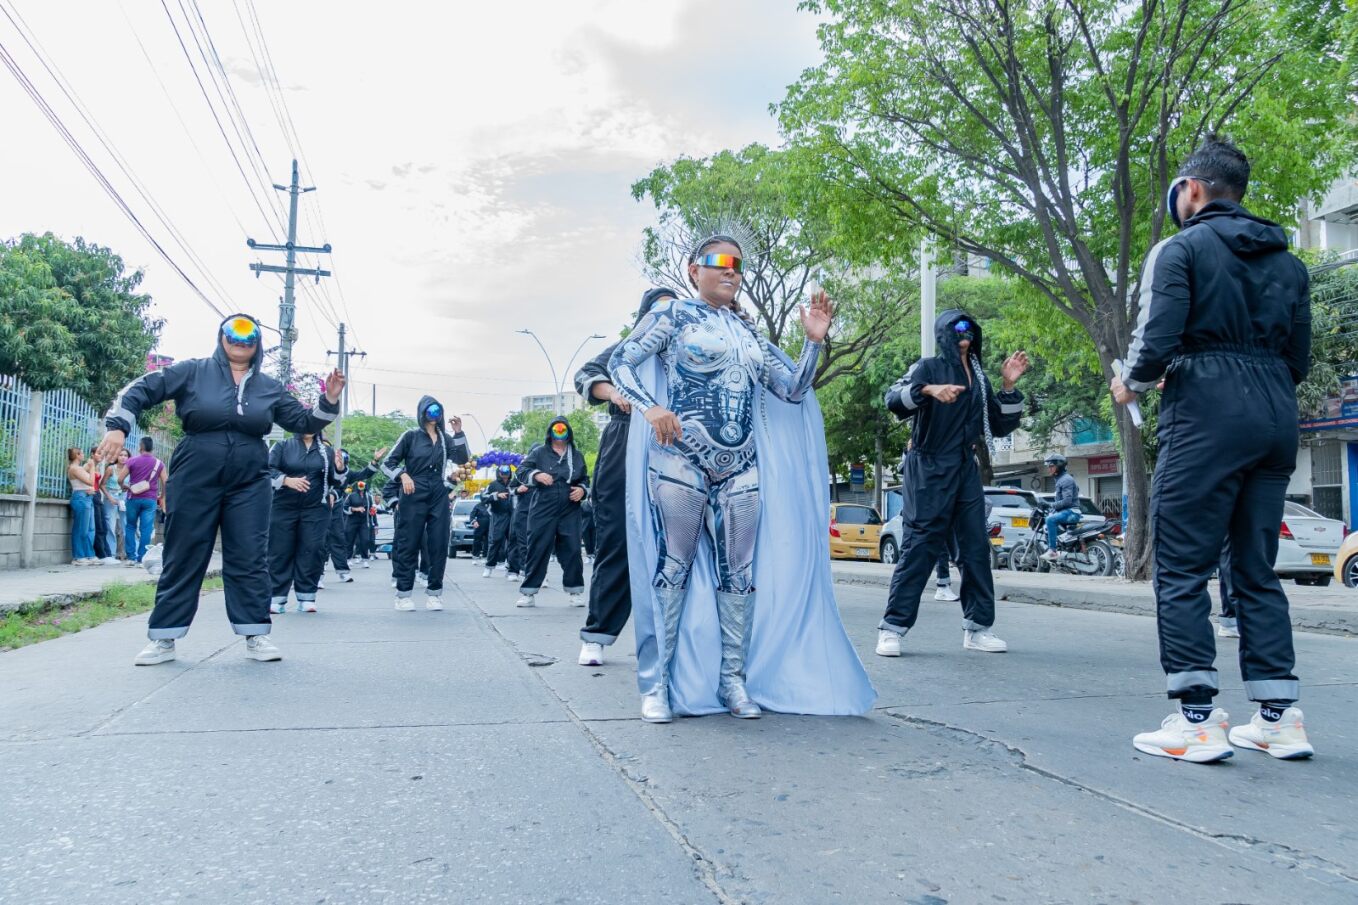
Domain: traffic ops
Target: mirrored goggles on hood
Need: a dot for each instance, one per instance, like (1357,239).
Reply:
(1172,196)
(434,412)
(963,330)
(241,331)
(560,431)
(721,262)
(504,469)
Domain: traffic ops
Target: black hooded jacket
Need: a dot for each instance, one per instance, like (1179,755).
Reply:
(490,496)
(1225,283)
(207,400)
(291,459)
(596,369)
(426,460)
(946,428)
(567,469)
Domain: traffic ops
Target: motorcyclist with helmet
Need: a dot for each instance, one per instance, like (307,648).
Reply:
(1065,508)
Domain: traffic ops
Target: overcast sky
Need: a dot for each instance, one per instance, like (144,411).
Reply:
(473,164)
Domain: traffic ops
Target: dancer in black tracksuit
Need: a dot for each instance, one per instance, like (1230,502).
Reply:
(952,407)
(498,498)
(610,586)
(423,454)
(337,537)
(480,522)
(518,525)
(220,476)
(1225,322)
(301,470)
(358,529)
(558,469)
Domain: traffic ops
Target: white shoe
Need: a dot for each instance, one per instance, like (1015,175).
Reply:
(525,601)
(577,600)
(422,579)
(945,592)
(591,654)
(278,609)
(485,573)
(307,606)
(1227,631)
(433,603)
(109,561)
(83,562)
(364,565)
(502,568)
(984,641)
(320,585)
(259,647)
(345,577)
(1285,739)
(655,709)
(1198,743)
(393,582)
(405,604)
(1051,556)
(511,576)
(156,652)
(888,643)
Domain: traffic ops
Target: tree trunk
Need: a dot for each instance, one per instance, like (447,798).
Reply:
(1138,540)
(877,468)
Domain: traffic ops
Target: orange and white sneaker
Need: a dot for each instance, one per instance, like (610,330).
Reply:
(1285,739)
(1198,743)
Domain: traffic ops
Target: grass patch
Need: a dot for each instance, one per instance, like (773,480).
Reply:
(39,623)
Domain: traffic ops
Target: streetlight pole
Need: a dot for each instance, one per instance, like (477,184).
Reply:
(555,382)
(557,388)
(485,440)
(561,390)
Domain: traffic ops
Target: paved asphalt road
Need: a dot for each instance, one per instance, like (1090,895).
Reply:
(463,756)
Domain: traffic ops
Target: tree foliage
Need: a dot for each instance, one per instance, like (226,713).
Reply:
(521,431)
(365,434)
(71,317)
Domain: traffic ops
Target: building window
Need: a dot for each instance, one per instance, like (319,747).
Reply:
(1327,478)
(1084,431)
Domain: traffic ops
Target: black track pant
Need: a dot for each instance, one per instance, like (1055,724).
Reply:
(221,482)
(499,538)
(481,538)
(1227,594)
(610,587)
(297,550)
(942,499)
(359,536)
(588,533)
(518,533)
(1228,446)
(425,519)
(338,538)
(554,526)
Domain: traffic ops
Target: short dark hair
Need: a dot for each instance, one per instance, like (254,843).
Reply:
(1223,163)
(147,444)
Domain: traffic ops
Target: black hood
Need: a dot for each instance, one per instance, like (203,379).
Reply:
(649,298)
(1243,233)
(556,421)
(219,354)
(425,401)
(946,340)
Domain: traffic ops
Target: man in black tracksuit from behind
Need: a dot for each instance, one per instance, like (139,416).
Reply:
(499,499)
(1225,322)
(952,408)
(424,498)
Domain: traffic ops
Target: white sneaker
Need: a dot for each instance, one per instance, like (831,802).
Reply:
(405,604)
(156,652)
(364,565)
(433,603)
(278,609)
(655,709)
(577,600)
(259,647)
(1051,556)
(485,573)
(1227,631)
(308,606)
(502,568)
(511,576)
(109,561)
(83,562)
(1198,743)
(393,582)
(591,654)
(984,641)
(525,600)
(422,579)
(320,584)
(345,577)
(888,643)
(1285,739)
(945,592)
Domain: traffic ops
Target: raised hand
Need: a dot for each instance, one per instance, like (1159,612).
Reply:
(455,424)
(112,442)
(334,385)
(817,316)
(1014,367)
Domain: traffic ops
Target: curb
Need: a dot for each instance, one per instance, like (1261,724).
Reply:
(1325,622)
(55,601)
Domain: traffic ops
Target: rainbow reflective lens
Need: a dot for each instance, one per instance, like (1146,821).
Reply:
(434,412)
(560,431)
(241,331)
(721,262)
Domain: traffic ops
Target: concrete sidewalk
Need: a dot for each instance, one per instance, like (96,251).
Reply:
(66,584)
(1331,610)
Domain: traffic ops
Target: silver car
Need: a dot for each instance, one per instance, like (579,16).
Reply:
(1009,506)
(1307,545)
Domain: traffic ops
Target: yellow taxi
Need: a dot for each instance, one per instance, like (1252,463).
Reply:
(855,531)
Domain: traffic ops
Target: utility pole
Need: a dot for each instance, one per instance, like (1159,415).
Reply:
(287,306)
(928,278)
(342,357)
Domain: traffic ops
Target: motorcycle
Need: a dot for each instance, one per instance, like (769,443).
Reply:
(1080,550)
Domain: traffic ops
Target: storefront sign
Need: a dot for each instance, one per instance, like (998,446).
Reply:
(1104,465)
(1338,409)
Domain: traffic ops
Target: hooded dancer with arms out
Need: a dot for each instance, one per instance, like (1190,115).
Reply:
(731,455)
(220,473)
(522,493)
(358,504)
(301,469)
(499,500)
(554,521)
(421,459)
(1225,327)
(952,407)
(610,585)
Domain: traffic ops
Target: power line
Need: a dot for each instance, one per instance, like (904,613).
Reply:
(12,65)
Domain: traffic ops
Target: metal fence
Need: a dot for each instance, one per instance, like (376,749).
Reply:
(67,421)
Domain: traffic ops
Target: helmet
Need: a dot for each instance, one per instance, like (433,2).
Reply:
(1055,459)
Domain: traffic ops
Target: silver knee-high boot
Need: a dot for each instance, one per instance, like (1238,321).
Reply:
(655,708)
(733,612)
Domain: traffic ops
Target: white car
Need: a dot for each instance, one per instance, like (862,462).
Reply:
(1009,506)
(1308,543)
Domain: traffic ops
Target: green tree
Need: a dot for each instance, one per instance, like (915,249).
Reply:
(521,431)
(1042,136)
(71,317)
(365,434)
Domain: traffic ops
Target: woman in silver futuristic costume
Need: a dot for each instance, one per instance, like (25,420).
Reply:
(703,471)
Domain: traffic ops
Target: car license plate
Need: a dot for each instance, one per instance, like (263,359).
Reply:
(862,552)
(997,542)
(1320,559)
(1019,522)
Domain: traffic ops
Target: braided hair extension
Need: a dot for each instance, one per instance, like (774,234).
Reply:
(985,404)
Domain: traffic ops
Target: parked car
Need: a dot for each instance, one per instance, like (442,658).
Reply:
(890,545)
(855,531)
(1346,561)
(1012,508)
(460,538)
(386,532)
(1309,546)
